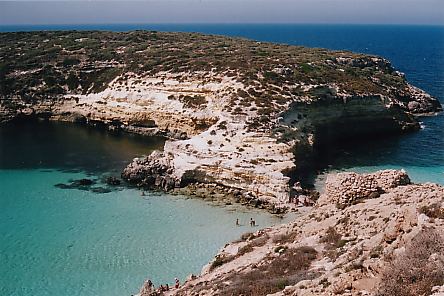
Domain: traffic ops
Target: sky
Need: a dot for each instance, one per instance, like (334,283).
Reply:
(426,12)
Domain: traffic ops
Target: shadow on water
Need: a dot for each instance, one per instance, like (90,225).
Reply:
(422,149)
(70,147)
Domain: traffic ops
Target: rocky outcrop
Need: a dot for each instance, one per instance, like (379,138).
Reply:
(385,245)
(154,171)
(421,102)
(238,113)
(344,189)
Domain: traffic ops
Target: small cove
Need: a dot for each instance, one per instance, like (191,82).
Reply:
(420,154)
(78,242)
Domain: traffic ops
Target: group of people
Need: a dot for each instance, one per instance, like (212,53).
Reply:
(148,288)
(298,197)
(301,200)
(252,222)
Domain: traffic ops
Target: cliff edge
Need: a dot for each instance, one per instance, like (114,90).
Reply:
(245,115)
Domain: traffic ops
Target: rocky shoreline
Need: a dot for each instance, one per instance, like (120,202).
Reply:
(244,119)
(366,244)
(251,121)
(153,173)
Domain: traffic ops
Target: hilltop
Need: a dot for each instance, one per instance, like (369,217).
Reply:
(247,116)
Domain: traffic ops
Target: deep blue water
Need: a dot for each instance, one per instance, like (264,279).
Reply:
(76,242)
(418,51)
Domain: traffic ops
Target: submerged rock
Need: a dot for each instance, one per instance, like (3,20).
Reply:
(83,182)
(239,113)
(113,181)
(63,186)
(100,190)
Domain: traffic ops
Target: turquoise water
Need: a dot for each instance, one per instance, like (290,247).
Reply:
(418,51)
(76,242)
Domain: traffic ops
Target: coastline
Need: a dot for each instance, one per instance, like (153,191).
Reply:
(218,150)
(355,246)
(253,133)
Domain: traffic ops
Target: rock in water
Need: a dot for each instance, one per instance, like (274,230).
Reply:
(114,181)
(239,113)
(147,289)
(154,171)
(83,182)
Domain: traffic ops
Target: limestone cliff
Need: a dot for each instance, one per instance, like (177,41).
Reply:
(239,113)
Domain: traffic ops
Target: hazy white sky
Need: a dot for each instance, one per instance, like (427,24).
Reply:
(223,11)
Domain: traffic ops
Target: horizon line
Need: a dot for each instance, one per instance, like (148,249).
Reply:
(224,23)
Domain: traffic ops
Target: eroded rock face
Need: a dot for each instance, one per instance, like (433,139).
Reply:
(154,171)
(248,119)
(369,248)
(420,102)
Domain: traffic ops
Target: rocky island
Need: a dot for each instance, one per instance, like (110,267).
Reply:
(246,119)
(245,115)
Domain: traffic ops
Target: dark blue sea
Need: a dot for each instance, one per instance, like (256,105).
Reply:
(418,51)
(57,241)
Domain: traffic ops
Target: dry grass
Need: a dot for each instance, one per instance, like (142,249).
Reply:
(246,236)
(255,242)
(285,238)
(245,249)
(273,274)
(418,269)
(433,211)
(332,239)
(220,260)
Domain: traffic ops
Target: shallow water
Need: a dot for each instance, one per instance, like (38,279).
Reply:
(76,242)
(73,242)
(418,51)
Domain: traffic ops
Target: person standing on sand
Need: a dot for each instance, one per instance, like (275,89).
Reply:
(177,283)
(161,289)
(147,288)
(252,222)
(237,222)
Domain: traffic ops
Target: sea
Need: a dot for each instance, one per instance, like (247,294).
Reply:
(61,238)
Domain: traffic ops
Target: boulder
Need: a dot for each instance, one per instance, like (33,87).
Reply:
(153,171)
